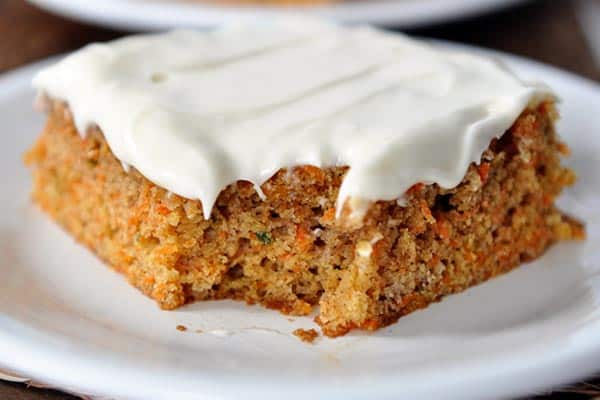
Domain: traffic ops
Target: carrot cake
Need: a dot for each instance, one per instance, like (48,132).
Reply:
(296,164)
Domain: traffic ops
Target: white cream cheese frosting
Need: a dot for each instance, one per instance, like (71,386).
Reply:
(196,111)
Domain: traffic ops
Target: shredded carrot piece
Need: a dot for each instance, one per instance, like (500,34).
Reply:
(442,229)
(163,210)
(406,299)
(328,215)
(149,280)
(302,237)
(416,188)
(484,171)
(370,325)
(433,262)
(426,212)
(470,256)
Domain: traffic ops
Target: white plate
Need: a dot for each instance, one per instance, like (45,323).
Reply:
(67,320)
(166,14)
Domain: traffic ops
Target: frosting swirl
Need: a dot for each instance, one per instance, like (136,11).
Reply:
(196,111)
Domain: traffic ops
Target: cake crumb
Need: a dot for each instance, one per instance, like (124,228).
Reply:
(181,328)
(199,331)
(306,335)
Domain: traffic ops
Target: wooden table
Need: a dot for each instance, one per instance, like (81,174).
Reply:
(543,30)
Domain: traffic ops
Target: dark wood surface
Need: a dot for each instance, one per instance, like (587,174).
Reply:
(544,30)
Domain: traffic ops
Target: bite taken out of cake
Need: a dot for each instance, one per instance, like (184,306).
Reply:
(296,164)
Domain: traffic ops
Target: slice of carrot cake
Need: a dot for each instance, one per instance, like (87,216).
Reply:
(297,164)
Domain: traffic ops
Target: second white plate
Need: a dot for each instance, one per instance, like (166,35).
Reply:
(167,14)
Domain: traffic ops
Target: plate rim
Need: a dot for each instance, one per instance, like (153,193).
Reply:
(580,358)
